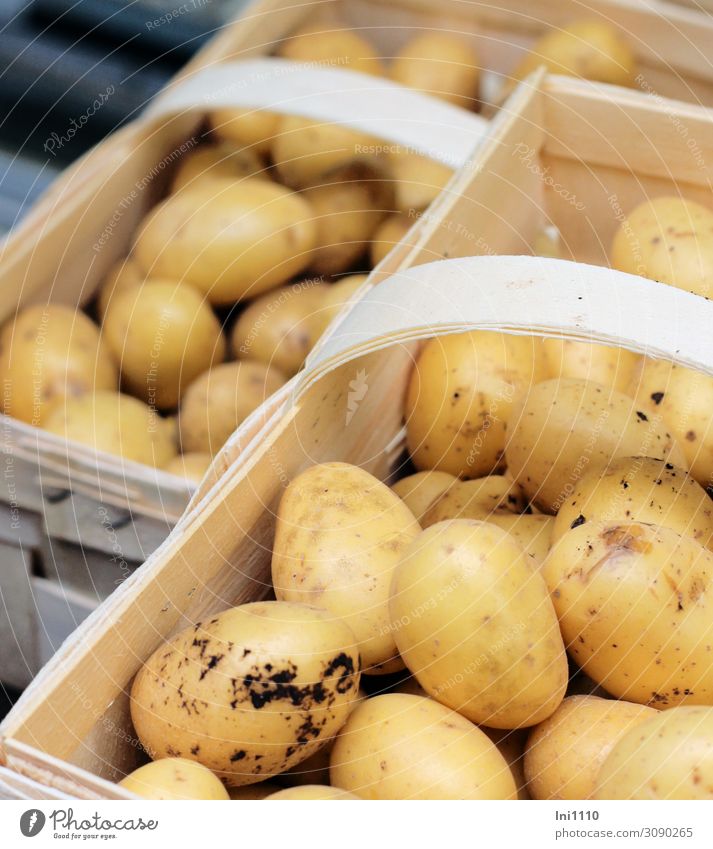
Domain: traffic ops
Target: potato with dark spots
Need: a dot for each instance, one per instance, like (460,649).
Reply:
(307,792)
(531,531)
(639,489)
(564,753)
(635,604)
(475,625)
(249,693)
(670,756)
(422,489)
(476,499)
(399,746)
(340,533)
(174,778)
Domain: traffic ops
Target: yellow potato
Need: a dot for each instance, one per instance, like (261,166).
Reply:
(565,427)
(48,355)
(334,297)
(588,49)
(511,745)
(276,329)
(473,622)
(421,490)
(564,753)
(399,746)
(611,366)
(253,792)
(439,64)
(639,489)
(531,531)
(163,335)
(118,424)
(475,499)
(340,533)
(191,466)
(460,398)
(223,160)
(229,239)
(174,778)
(668,757)
(389,234)
(124,274)
(635,608)
(220,399)
(312,791)
(419,180)
(331,46)
(669,239)
(254,129)
(684,399)
(248,693)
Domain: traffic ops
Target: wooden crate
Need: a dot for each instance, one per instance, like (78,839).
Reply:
(71,730)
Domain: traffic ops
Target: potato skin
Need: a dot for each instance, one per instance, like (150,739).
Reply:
(418,179)
(531,531)
(334,297)
(246,128)
(600,363)
(174,778)
(400,746)
(590,424)
(216,160)
(312,792)
(634,603)
(422,489)
(249,693)
(670,756)
(124,274)
(460,398)
(564,753)
(340,533)
(229,239)
(476,499)
(639,489)
(192,466)
(669,239)
(390,233)
(329,44)
(474,624)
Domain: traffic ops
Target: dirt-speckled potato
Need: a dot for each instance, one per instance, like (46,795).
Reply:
(419,180)
(460,398)
(124,274)
(311,792)
(332,45)
(334,297)
(564,753)
(392,231)
(422,489)
(476,499)
(600,363)
(669,239)
(635,604)
(254,129)
(248,693)
(230,239)
(174,778)
(399,746)
(49,354)
(474,623)
(531,531)
(668,757)
(684,399)
(340,533)
(565,427)
(220,399)
(217,160)
(639,489)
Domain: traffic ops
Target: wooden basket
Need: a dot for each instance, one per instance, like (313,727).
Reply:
(70,733)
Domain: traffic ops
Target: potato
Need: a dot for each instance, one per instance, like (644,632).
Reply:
(248,693)
(511,745)
(668,757)
(340,533)
(253,792)
(439,64)
(564,753)
(565,427)
(191,466)
(406,747)
(247,128)
(476,499)
(124,274)
(587,49)
(346,216)
(389,234)
(531,531)
(223,160)
(474,624)
(229,239)
(174,778)
(334,297)
(419,179)
(684,399)
(220,399)
(634,604)
(48,355)
(118,424)
(611,366)
(669,239)
(163,335)
(639,489)
(312,791)
(460,398)
(276,329)
(332,46)
(421,490)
